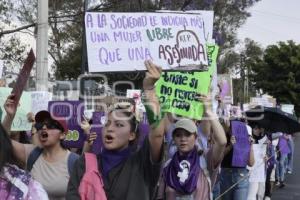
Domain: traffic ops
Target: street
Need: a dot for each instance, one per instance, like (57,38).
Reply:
(292,189)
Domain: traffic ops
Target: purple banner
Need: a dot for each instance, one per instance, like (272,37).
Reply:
(241,148)
(72,113)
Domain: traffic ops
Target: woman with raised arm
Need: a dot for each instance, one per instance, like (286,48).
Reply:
(190,173)
(127,173)
(49,163)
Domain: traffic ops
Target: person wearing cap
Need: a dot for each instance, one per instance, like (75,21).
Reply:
(190,173)
(50,164)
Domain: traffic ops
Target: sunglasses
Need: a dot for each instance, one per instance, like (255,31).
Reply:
(49,125)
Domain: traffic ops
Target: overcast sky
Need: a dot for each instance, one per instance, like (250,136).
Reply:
(273,21)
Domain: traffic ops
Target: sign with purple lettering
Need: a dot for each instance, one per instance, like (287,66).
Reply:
(241,149)
(72,113)
(123,41)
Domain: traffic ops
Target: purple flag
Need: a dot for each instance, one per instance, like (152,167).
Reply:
(241,148)
(72,112)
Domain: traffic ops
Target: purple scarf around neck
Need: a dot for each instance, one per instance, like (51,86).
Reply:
(111,159)
(175,173)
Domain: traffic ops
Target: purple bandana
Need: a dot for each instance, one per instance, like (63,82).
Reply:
(182,172)
(14,183)
(111,159)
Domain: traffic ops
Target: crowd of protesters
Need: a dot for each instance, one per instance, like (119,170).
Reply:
(180,159)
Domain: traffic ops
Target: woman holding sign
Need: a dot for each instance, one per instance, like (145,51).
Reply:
(190,173)
(127,173)
(234,179)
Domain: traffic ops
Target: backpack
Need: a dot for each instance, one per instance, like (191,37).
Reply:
(37,151)
(91,184)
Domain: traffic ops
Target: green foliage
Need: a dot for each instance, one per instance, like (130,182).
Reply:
(278,73)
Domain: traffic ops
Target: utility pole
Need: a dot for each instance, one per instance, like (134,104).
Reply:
(84,62)
(242,64)
(42,47)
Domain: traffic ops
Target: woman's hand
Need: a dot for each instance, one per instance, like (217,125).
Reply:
(152,75)
(91,138)
(206,100)
(232,140)
(85,126)
(10,106)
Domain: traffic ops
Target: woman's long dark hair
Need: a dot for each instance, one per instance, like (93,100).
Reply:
(6,149)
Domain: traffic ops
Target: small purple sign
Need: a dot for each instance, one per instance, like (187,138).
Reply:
(144,128)
(241,149)
(98,122)
(71,112)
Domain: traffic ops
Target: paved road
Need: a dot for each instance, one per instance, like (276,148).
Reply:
(292,189)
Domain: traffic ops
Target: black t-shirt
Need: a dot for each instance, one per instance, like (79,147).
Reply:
(134,179)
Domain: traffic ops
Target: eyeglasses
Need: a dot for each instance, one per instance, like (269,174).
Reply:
(49,125)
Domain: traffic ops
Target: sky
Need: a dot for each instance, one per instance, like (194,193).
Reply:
(272,21)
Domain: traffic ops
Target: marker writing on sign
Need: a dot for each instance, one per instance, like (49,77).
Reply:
(184,48)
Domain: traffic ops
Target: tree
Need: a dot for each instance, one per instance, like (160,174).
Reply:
(278,73)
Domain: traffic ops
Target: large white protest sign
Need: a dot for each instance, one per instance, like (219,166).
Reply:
(257,172)
(123,41)
(39,100)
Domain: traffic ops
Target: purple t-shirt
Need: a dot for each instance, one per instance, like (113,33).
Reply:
(283,146)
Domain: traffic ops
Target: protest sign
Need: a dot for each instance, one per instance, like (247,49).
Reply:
(178,91)
(98,121)
(71,112)
(241,149)
(139,107)
(23,77)
(264,100)
(257,171)
(225,85)
(123,41)
(20,122)
(288,108)
(40,100)
(212,54)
